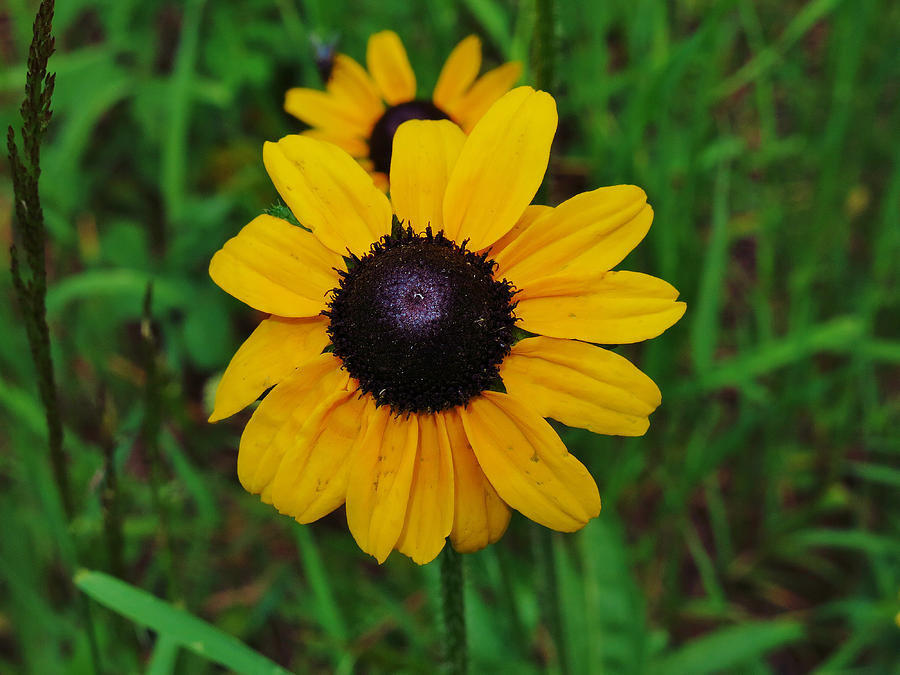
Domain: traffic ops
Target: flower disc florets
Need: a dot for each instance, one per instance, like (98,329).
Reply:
(381,140)
(421,322)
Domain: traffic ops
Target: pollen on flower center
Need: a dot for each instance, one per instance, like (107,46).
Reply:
(381,141)
(421,322)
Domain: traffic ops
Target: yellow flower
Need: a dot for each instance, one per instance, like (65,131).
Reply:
(404,417)
(360,111)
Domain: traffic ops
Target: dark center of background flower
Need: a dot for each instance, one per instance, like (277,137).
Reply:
(381,141)
(421,322)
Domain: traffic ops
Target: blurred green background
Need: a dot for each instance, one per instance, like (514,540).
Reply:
(753,530)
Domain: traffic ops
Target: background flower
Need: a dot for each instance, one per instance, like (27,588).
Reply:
(360,111)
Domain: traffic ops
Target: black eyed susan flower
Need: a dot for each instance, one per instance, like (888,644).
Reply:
(400,387)
(360,111)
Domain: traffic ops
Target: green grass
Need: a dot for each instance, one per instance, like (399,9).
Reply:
(754,529)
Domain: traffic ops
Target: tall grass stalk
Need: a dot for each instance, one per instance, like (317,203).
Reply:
(30,279)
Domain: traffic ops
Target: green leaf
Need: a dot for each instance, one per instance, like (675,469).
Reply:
(180,627)
(728,648)
(876,473)
(858,540)
(124,286)
(280,210)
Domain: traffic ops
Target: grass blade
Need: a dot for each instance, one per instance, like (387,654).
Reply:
(728,648)
(182,628)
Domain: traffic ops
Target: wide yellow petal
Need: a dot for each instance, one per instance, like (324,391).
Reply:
(528,464)
(271,353)
(380,480)
(423,156)
(311,480)
(480,517)
(459,71)
(471,106)
(354,146)
(580,385)
(387,61)
(500,168)
(526,220)
(325,111)
(349,81)
(277,268)
(429,515)
(615,308)
(585,235)
(285,409)
(329,193)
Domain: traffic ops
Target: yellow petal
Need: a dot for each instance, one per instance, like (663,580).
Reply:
(380,479)
(528,464)
(586,235)
(500,168)
(580,385)
(285,409)
(429,515)
(471,107)
(311,480)
(277,268)
(528,218)
(480,517)
(352,145)
(328,192)
(423,157)
(271,353)
(459,71)
(325,111)
(349,81)
(387,61)
(616,308)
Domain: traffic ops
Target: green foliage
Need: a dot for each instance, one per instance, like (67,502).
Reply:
(753,530)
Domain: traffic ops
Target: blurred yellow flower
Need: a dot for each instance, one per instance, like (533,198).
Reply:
(360,111)
(403,384)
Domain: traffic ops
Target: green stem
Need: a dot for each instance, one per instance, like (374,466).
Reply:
(454,611)
(84,606)
(109,493)
(543,53)
(543,57)
(548,580)
(150,429)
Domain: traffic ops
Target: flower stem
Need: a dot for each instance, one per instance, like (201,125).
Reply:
(548,580)
(455,654)
(150,430)
(543,61)
(109,492)
(543,55)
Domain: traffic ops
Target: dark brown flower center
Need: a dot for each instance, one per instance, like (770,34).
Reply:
(421,322)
